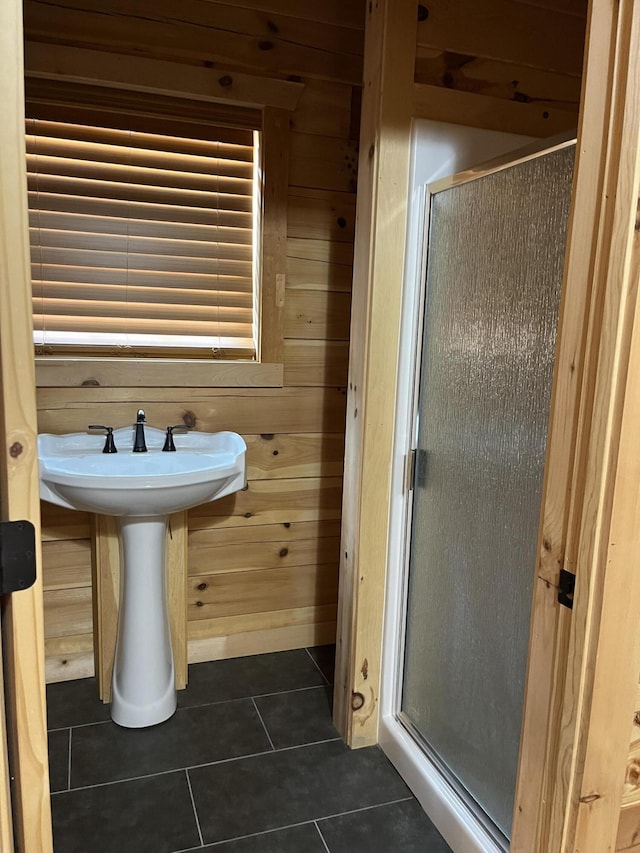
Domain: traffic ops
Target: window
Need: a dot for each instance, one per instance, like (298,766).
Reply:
(144,242)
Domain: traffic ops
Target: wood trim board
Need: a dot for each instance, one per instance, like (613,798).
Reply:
(383,174)
(22,615)
(143,74)
(597,695)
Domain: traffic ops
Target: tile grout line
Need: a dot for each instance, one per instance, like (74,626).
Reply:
(365,808)
(79,726)
(293,690)
(256,695)
(266,731)
(322,838)
(195,811)
(299,823)
(317,666)
(198,766)
(69,761)
(205,704)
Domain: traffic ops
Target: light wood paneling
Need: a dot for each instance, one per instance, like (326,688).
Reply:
(314,274)
(250,634)
(324,162)
(59,523)
(317,315)
(273,502)
(260,411)
(206,559)
(166,78)
(490,113)
(323,108)
(309,362)
(69,658)
(66,563)
(240,593)
(69,612)
(330,252)
(55,372)
(489,77)
(272,620)
(197,33)
(272,456)
(245,55)
(219,536)
(508,65)
(343,13)
(506,30)
(312,212)
(578,8)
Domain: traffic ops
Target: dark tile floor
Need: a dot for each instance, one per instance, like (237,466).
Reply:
(249,763)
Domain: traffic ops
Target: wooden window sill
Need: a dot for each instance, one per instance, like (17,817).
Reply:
(61,372)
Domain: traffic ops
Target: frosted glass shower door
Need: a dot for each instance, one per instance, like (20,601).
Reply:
(494,270)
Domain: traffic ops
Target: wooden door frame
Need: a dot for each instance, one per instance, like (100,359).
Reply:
(22,612)
(568,787)
(578,715)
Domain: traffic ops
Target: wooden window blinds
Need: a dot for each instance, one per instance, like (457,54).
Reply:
(142,242)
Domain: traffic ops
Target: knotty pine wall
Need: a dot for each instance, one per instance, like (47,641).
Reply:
(263,565)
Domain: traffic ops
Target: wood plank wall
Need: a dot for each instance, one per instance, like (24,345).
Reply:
(521,59)
(263,564)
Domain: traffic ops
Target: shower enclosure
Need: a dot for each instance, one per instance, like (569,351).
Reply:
(494,243)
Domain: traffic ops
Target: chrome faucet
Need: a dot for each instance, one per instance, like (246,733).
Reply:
(139,445)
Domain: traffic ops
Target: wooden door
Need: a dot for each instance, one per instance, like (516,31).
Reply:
(22,613)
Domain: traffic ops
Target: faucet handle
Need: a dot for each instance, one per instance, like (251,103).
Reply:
(141,417)
(169,446)
(109,445)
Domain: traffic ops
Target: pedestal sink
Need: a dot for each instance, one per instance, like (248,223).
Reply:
(141,490)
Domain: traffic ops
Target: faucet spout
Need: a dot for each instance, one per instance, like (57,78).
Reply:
(139,444)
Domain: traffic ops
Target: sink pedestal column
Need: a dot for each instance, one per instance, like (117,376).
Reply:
(143,674)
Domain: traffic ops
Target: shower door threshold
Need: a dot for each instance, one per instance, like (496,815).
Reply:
(458,818)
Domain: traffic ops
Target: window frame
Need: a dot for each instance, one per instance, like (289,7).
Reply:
(160,371)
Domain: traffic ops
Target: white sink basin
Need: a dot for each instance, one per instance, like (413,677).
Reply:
(75,473)
(141,489)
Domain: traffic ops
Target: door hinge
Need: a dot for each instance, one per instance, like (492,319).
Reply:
(566,587)
(17,556)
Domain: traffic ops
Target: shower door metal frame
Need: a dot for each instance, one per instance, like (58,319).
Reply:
(413,340)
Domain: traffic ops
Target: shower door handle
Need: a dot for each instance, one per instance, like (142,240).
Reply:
(416,470)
